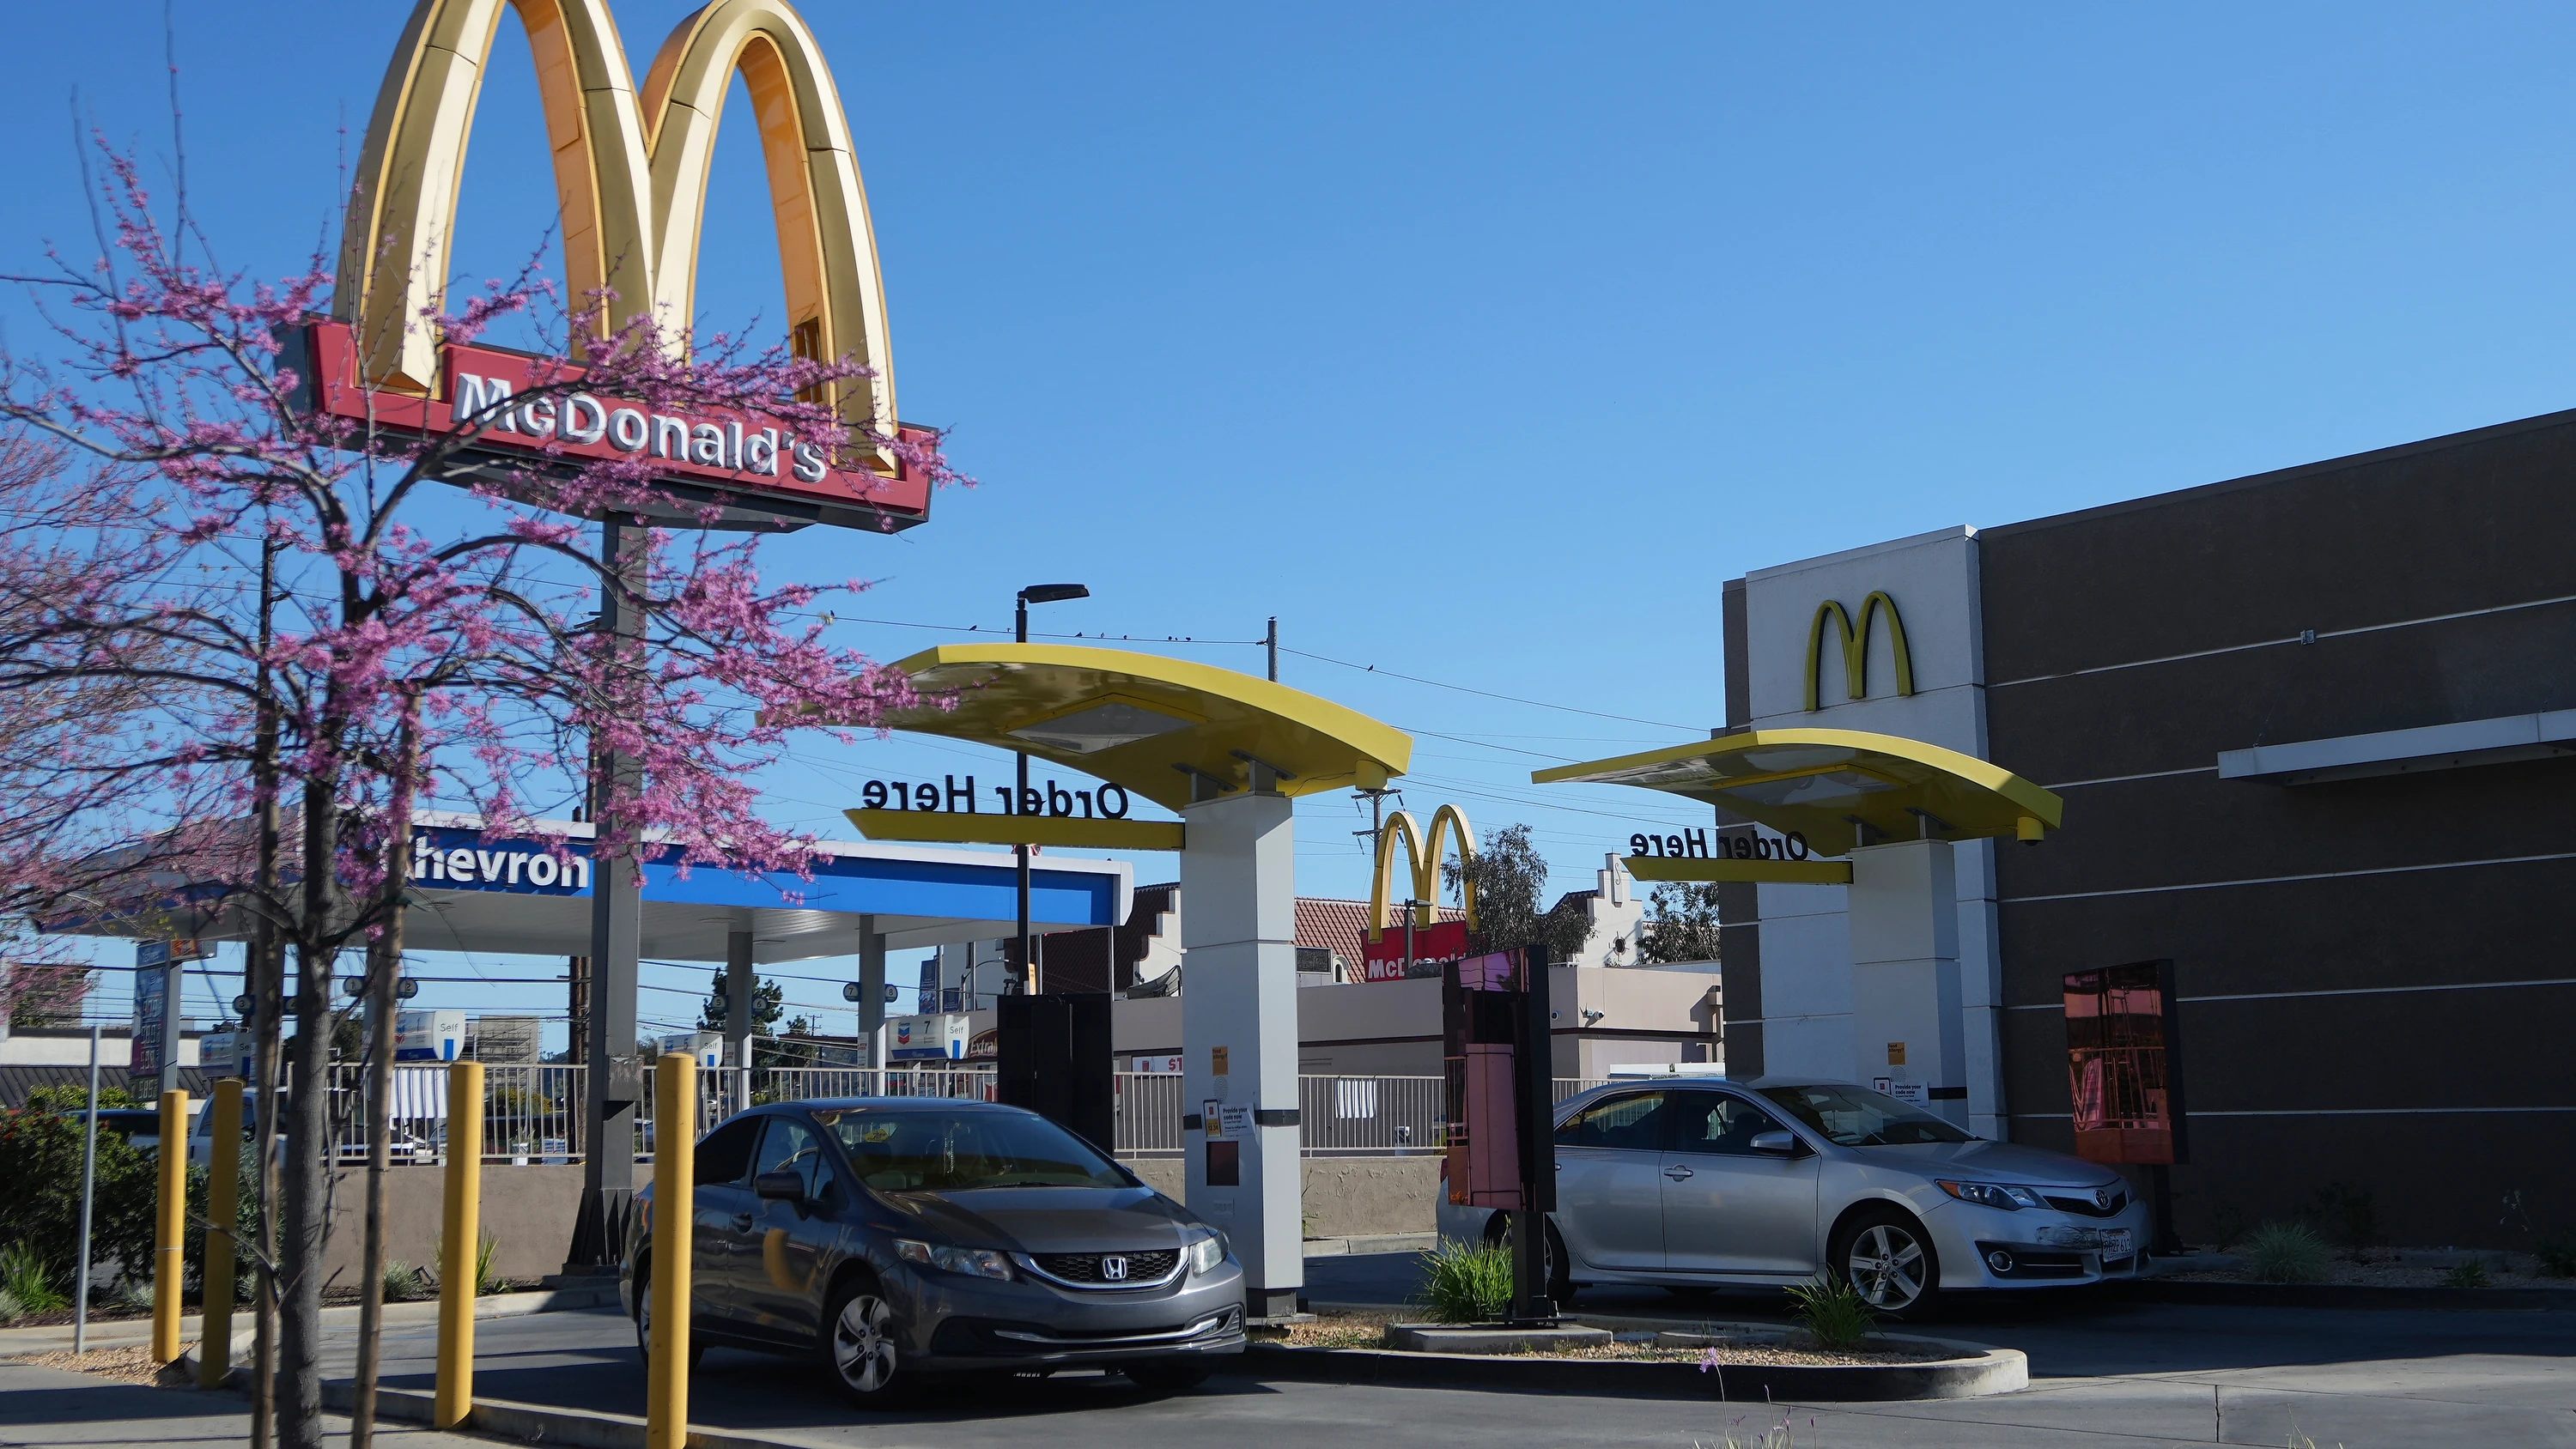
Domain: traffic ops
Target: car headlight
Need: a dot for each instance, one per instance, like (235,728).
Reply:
(1205,1254)
(973,1262)
(1995,1195)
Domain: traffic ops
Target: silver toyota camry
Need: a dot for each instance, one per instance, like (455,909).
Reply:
(1766,1182)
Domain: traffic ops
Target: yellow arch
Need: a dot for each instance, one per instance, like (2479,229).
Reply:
(630,175)
(826,244)
(1423,855)
(1855,642)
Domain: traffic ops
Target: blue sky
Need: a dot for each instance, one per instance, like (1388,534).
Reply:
(1482,343)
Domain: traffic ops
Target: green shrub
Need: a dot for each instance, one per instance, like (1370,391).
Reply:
(2557,1255)
(485,1284)
(403,1281)
(2348,1216)
(40,1190)
(2469,1273)
(2285,1253)
(1833,1310)
(1467,1282)
(64,1097)
(11,1310)
(29,1279)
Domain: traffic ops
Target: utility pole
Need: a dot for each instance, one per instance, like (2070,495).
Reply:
(1272,640)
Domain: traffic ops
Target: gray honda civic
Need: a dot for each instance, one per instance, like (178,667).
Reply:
(890,1238)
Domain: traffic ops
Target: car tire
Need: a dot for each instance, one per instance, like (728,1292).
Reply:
(644,1328)
(1886,1254)
(1167,1377)
(860,1346)
(1560,1270)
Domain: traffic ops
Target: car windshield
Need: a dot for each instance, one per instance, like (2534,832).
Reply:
(1857,1117)
(912,1149)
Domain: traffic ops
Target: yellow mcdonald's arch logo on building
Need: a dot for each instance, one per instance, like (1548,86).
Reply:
(1422,853)
(1855,642)
(631,173)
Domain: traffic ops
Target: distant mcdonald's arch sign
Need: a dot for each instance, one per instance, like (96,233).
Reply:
(631,174)
(1384,956)
(1855,642)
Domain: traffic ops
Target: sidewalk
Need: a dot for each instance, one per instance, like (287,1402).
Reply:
(42,1407)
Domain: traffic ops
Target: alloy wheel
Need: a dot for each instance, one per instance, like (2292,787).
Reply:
(863,1344)
(1886,1264)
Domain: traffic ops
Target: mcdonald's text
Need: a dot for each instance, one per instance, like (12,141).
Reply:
(532,407)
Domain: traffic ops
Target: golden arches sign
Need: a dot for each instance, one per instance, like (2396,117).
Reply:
(631,174)
(1422,853)
(1855,641)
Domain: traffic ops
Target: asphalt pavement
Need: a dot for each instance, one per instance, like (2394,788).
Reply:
(2104,1373)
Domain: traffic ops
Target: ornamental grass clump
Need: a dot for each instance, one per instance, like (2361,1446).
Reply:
(23,1276)
(1833,1311)
(1467,1282)
(2285,1253)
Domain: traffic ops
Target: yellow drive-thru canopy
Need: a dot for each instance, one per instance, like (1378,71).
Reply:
(1825,784)
(1147,723)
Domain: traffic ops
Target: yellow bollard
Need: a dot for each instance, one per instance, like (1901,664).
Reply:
(223,1198)
(462,1235)
(675,1154)
(169,1237)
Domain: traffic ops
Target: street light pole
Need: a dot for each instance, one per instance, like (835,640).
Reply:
(1033,594)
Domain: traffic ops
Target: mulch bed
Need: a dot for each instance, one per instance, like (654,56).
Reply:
(1362,1329)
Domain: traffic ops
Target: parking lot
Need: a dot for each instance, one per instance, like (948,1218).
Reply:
(2103,1373)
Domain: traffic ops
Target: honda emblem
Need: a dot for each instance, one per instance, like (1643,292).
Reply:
(1113,1269)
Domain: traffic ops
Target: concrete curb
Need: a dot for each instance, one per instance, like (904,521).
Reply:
(2345,1295)
(1977,1372)
(1374,1243)
(540,1424)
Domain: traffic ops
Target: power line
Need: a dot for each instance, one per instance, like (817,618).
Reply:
(1486,693)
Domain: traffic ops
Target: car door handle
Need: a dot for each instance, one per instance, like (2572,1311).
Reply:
(1677,1172)
(742,1222)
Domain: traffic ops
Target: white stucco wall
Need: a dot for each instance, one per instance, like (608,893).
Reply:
(1806,938)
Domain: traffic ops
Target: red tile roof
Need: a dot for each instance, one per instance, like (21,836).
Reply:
(1341,926)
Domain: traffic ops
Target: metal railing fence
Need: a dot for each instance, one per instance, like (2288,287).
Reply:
(533,1114)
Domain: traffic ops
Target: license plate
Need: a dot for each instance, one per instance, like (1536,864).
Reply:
(2115,1243)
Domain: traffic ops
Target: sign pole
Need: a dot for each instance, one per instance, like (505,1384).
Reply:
(616,940)
(89,1191)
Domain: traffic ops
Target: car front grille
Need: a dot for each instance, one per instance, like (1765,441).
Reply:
(2085,1206)
(1086,1269)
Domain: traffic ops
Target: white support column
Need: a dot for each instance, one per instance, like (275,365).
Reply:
(1239,1005)
(872,982)
(1905,973)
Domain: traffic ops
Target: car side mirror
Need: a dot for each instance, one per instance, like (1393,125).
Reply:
(1775,1141)
(784,1186)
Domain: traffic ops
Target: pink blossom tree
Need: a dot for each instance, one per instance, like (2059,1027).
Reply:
(317,624)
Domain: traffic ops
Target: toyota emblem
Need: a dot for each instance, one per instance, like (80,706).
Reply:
(2102,1198)
(1113,1268)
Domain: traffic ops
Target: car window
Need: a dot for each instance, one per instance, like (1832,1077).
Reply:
(1859,1117)
(1717,1122)
(1634,1122)
(913,1149)
(724,1155)
(791,1146)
